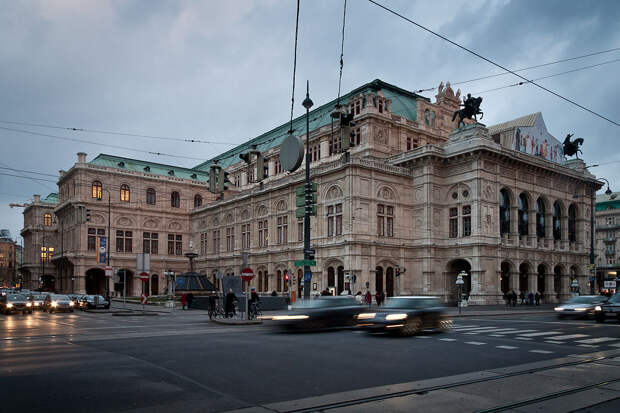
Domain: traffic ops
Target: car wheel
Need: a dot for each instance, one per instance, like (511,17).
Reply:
(445,325)
(600,318)
(411,327)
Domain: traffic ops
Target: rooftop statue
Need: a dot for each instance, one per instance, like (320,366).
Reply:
(471,108)
(572,148)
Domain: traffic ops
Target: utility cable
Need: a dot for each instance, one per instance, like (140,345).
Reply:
(344,21)
(27,177)
(549,76)
(294,68)
(524,68)
(28,172)
(493,63)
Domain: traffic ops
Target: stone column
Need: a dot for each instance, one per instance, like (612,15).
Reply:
(531,228)
(564,286)
(532,282)
(324,148)
(477,293)
(244,178)
(514,281)
(549,230)
(271,167)
(549,296)
(564,232)
(514,225)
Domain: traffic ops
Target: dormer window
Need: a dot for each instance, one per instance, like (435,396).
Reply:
(121,164)
(147,169)
(194,176)
(380,106)
(171,172)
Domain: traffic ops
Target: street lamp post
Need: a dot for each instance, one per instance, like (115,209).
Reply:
(459,285)
(108,245)
(307,103)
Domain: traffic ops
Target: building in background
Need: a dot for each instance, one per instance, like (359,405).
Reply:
(411,204)
(8,260)
(607,233)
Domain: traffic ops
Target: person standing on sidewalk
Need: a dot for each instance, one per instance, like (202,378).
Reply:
(212,304)
(183,301)
(229,303)
(513,297)
(537,298)
(522,297)
(190,298)
(368,298)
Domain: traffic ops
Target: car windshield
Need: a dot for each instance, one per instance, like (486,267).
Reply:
(39,297)
(583,300)
(411,303)
(17,297)
(615,298)
(60,297)
(324,303)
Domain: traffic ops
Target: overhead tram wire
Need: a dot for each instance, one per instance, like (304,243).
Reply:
(290,131)
(344,22)
(550,76)
(27,177)
(524,68)
(29,172)
(493,63)
(135,135)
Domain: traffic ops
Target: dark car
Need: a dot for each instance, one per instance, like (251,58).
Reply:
(405,316)
(15,303)
(93,301)
(581,306)
(319,313)
(610,309)
(38,300)
(58,302)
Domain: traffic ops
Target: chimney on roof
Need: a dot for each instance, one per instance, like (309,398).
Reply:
(37,198)
(61,173)
(81,157)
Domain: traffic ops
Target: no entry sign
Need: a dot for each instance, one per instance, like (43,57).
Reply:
(247,274)
(143,276)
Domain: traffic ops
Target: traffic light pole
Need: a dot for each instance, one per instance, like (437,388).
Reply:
(307,103)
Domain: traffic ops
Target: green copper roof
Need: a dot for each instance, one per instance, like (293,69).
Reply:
(605,201)
(149,167)
(51,198)
(403,104)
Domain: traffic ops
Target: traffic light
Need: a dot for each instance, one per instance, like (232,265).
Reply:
(223,181)
(286,276)
(214,173)
(261,167)
(87,215)
(346,133)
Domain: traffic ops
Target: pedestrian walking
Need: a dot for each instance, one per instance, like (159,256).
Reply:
(229,303)
(537,298)
(368,298)
(382,297)
(190,298)
(530,298)
(522,297)
(212,304)
(378,298)
(513,297)
(183,301)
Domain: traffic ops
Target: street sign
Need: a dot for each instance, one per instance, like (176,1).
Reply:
(301,263)
(144,277)
(609,284)
(247,274)
(143,299)
(307,276)
(310,251)
(108,271)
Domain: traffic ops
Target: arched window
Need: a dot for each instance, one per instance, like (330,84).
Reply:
(97,190)
(47,220)
(572,223)
(151,197)
(125,193)
(540,218)
(279,280)
(523,219)
(175,200)
(433,119)
(504,212)
(557,223)
(197,200)
(427,116)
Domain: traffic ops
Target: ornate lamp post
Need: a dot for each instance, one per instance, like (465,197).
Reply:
(307,103)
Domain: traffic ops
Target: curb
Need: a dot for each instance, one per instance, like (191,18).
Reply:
(134,314)
(236,322)
(500,314)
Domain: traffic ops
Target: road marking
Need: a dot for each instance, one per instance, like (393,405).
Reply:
(523,338)
(597,340)
(507,347)
(554,342)
(461,326)
(518,331)
(423,337)
(615,345)
(497,331)
(544,333)
(447,339)
(475,343)
(570,336)
(587,345)
(480,328)
(541,351)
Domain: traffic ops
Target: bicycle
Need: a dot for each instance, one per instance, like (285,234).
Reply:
(255,311)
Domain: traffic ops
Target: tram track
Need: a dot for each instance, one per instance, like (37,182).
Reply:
(426,390)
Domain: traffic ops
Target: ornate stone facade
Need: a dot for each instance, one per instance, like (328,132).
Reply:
(413,203)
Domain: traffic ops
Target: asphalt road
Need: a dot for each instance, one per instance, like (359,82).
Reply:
(179,362)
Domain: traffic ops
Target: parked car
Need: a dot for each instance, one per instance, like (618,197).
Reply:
(581,306)
(319,313)
(609,309)
(58,302)
(15,303)
(94,301)
(406,315)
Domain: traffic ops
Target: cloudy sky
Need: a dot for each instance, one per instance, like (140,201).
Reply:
(222,70)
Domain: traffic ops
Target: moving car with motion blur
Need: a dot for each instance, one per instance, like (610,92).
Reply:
(581,306)
(58,302)
(406,315)
(319,313)
(609,309)
(38,300)
(93,301)
(15,303)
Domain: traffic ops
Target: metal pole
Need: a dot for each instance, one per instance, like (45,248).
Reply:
(459,300)
(307,103)
(124,287)
(108,246)
(592,274)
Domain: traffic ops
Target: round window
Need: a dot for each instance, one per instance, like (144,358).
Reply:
(454,195)
(465,193)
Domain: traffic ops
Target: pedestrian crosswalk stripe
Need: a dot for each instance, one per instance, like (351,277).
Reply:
(507,347)
(570,336)
(475,343)
(447,339)
(518,331)
(541,351)
(597,340)
(495,331)
(462,326)
(544,333)
(423,337)
(523,338)
(554,342)
(587,345)
(615,345)
(480,328)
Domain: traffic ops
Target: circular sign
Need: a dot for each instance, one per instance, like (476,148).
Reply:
(247,274)
(102,249)
(143,276)
(291,153)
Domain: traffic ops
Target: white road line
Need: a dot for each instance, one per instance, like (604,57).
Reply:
(447,339)
(523,338)
(544,333)
(554,342)
(615,345)
(597,340)
(518,331)
(496,331)
(587,345)
(481,328)
(507,347)
(570,336)
(462,326)
(541,351)
(423,337)
(475,343)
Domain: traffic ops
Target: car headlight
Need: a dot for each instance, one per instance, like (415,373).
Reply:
(391,317)
(290,317)
(28,304)
(581,309)
(9,305)
(71,303)
(37,304)
(598,308)
(559,308)
(366,316)
(54,303)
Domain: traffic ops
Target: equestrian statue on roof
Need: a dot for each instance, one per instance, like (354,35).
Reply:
(471,108)
(572,148)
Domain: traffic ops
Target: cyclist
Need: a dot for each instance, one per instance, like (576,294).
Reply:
(229,303)
(212,304)
(254,300)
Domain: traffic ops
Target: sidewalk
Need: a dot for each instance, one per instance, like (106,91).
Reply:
(501,310)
